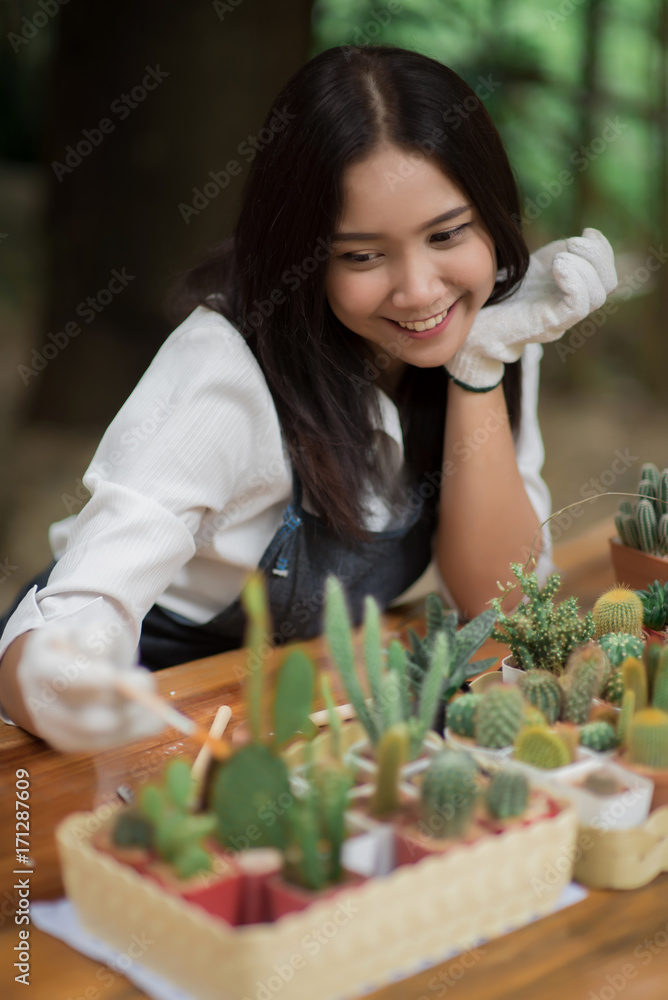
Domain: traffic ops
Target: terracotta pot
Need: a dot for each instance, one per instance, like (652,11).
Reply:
(659,776)
(651,635)
(285,897)
(636,569)
(218,891)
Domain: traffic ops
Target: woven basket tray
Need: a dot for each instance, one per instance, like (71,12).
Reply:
(623,859)
(386,928)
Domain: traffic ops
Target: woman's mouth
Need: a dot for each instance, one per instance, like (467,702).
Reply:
(431,327)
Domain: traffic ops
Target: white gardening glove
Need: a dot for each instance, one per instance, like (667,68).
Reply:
(67,675)
(565,281)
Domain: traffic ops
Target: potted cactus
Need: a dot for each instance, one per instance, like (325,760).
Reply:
(639,553)
(405,687)
(188,863)
(539,633)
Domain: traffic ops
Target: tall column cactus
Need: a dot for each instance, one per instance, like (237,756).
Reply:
(643,524)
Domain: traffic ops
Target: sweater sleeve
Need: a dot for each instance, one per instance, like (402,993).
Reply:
(177,448)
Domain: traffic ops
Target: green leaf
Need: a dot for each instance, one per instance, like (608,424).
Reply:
(178,781)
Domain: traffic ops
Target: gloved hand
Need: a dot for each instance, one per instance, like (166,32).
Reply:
(565,281)
(67,681)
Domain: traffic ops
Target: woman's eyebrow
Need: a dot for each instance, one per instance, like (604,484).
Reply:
(452,214)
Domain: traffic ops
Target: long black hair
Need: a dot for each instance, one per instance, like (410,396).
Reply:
(268,277)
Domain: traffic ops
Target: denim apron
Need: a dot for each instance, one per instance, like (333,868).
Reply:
(296,564)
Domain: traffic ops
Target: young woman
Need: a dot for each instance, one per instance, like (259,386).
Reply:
(353,392)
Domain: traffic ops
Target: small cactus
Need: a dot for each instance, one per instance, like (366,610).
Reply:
(654,600)
(582,682)
(461,714)
(540,747)
(449,792)
(648,738)
(542,690)
(499,716)
(634,676)
(618,610)
(507,794)
(618,645)
(392,753)
(598,736)
(534,717)
(660,689)
(614,689)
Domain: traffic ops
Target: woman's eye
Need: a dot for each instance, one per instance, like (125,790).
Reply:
(357,258)
(449,234)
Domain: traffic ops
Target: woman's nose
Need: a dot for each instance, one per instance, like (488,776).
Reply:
(417,286)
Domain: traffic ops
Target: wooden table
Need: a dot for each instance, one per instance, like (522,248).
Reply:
(595,949)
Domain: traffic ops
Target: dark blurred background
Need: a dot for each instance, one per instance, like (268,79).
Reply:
(114,116)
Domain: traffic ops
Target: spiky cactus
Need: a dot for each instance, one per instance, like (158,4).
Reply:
(634,676)
(542,690)
(598,736)
(644,524)
(540,747)
(449,792)
(651,658)
(660,689)
(648,738)
(618,645)
(404,687)
(533,716)
(654,600)
(539,633)
(461,714)
(614,689)
(499,716)
(618,610)
(581,683)
(507,794)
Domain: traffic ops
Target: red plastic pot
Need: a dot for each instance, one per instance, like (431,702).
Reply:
(217,891)
(284,897)
(257,866)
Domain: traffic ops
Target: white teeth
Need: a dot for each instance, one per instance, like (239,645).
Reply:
(427,324)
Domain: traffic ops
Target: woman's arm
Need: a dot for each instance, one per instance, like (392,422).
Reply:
(486,520)
(11,697)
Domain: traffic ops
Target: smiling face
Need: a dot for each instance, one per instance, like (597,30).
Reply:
(412,261)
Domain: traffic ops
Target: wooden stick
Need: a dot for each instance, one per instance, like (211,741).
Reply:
(220,749)
(203,759)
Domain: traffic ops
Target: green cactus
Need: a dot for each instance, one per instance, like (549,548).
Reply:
(507,794)
(540,634)
(626,714)
(618,645)
(634,676)
(654,600)
(646,521)
(660,689)
(648,738)
(582,683)
(461,714)
(540,747)
(409,687)
(251,790)
(651,658)
(391,756)
(662,535)
(618,610)
(448,793)
(293,698)
(316,826)
(614,689)
(499,716)
(177,832)
(598,736)
(542,690)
